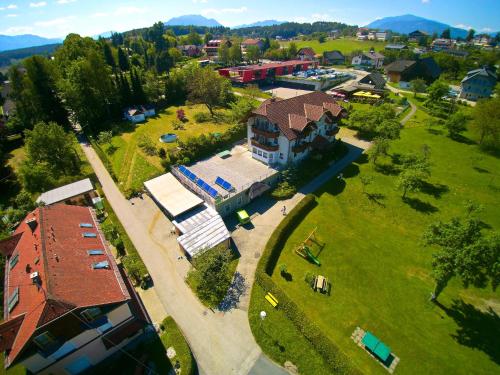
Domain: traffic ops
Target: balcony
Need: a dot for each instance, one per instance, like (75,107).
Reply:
(265,133)
(333,131)
(265,146)
(300,147)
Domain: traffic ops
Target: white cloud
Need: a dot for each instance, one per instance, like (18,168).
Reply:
(12,6)
(487,29)
(17,30)
(11,15)
(463,26)
(426,1)
(38,5)
(100,14)
(210,11)
(62,2)
(55,22)
(126,10)
(200,1)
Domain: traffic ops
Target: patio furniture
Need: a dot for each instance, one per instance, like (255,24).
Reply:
(271,299)
(377,347)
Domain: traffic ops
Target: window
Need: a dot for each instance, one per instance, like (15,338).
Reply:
(260,153)
(13,299)
(78,366)
(45,340)
(271,156)
(254,150)
(13,260)
(100,265)
(264,154)
(89,235)
(86,225)
(91,313)
(95,252)
(281,155)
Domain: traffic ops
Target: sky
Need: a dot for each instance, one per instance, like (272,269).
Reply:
(57,18)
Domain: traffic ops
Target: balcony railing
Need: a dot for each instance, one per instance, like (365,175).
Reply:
(265,133)
(265,146)
(301,147)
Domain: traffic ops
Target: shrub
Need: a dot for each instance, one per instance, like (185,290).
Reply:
(201,117)
(147,145)
(284,190)
(162,153)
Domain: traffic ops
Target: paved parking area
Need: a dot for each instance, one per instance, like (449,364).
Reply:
(286,93)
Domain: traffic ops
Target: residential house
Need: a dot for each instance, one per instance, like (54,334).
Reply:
(362,33)
(77,193)
(370,59)
(441,44)
(251,42)
(456,53)
(396,47)
(306,54)
(281,132)
(417,35)
(190,50)
(259,72)
(334,57)
(373,80)
(482,40)
(334,34)
(407,70)
(477,84)
(68,305)
(381,36)
(139,113)
(212,47)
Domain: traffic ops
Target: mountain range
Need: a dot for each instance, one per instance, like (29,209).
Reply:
(407,23)
(260,24)
(10,42)
(192,20)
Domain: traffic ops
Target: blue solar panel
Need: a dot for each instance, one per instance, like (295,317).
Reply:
(200,182)
(224,184)
(182,169)
(212,192)
(191,176)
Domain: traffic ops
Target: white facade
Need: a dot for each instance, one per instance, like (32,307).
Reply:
(269,145)
(364,60)
(87,348)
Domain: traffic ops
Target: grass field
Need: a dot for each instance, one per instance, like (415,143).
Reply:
(344,45)
(380,272)
(131,165)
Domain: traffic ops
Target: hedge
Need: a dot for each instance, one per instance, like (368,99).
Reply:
(331,353)
(104,158)
(171,335)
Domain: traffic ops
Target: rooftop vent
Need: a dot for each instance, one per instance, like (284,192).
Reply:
(32,223)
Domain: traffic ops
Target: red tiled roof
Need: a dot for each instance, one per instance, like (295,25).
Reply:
(306,51)
(57,250)
(251,42)
(292,115)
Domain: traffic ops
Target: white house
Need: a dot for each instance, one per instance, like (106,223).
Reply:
(139,113)
(285,131)
(369,59)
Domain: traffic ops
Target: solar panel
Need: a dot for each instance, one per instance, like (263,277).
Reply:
(224,184)
(100,265)
(95,252)
(212,192)
(182,169)
(200,183)
(192,176)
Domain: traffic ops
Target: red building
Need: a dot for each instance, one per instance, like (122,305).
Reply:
(252,73)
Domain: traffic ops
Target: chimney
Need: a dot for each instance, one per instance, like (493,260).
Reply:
(32,223)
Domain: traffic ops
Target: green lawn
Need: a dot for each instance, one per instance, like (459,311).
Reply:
(172,337)
(246,92)
(131,165)
(344,45)
(380,272)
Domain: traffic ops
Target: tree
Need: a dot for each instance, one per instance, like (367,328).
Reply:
(235,55)
(486,122)
(136,85)
(206,86)
(194,38)
(105,137)
(36,177)
(375,122)
(456,124)
(212,272)
(446,34)
(155,34)
(224,54)
(437,90)
(207,37)
(123,63)
(380,147)
(253,54)
(108,55)
(267,44)
(241,109)
(154,87)
(365,181)
(470,35)
(414,171)
(464,252)
(417,85)
(389,129)
(175,55)
(292,50)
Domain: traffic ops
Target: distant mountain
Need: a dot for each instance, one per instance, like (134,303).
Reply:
(8,42)
(407,23)
(259,24)
(106,34)
(192,20)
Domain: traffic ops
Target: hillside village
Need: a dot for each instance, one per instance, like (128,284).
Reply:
(292,198)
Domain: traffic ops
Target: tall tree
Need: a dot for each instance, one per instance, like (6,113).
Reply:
(253,54)
(208,37)
(137,92)
(123,63)
(155,35)
(380,147)
(437,90)
(267,44)
(206,86)
(464,252)
(108,54)
(486,122)
(470,35)
(417,85)
(224,54)
(194,38)
(235,55)
(456,124)
(446,34)
(292,50)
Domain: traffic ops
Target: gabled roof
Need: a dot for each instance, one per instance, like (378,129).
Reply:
(251,42)
(67,191)
(374,79)
(333,55)
(52,244)
(396,46)
(372,55)
(306,51)
(399,66)
(292,115)
(484,72)
(430,65)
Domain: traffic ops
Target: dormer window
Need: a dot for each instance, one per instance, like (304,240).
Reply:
(89,235)
(86,225)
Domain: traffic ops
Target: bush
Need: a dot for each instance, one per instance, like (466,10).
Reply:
(162,153)
(283,191)
(201,117)
(147,145)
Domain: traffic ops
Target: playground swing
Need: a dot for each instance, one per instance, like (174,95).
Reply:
(304,249)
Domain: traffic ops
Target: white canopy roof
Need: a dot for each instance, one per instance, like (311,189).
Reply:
(67,191)
(171,194)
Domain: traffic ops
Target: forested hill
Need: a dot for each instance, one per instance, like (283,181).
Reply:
(12,57)
(292,29)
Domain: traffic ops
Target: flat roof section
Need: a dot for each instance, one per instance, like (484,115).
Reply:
(239,169)
(172,195)
(208,234)
(65,192)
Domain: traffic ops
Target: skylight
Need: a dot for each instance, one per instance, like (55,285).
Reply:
(89,235)
(13,299)
(95,252)
(100,265)
(86,225)
(13,260)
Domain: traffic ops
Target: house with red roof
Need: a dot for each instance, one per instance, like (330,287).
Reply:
(281,132)
(67,304)
(306,54)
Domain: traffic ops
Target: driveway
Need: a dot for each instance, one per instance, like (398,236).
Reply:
(222,342)
(413,107)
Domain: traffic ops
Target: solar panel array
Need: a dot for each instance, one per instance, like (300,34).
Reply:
(224,184)
(202,184)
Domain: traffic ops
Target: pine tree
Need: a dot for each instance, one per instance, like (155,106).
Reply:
(108,55)
(123,60)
